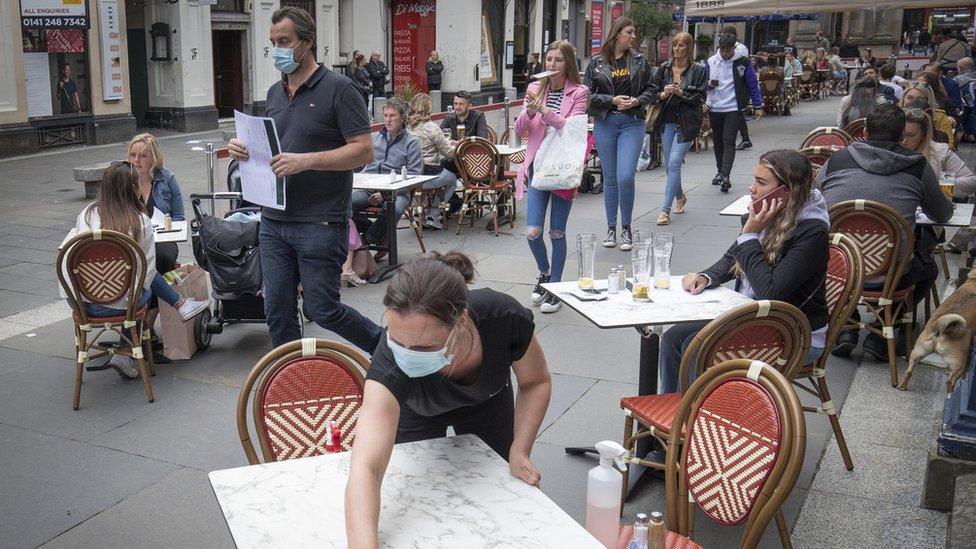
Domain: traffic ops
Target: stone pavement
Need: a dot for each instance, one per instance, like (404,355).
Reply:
(121,471)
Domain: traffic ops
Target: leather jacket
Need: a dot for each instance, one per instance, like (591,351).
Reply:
(694,79)
(597,79)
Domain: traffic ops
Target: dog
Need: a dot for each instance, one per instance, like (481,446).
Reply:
(949,333)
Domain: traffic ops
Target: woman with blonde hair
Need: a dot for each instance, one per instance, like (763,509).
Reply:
(548,103)
(918,137)
(158,190)
(680,85)
(435,148)
(921,95)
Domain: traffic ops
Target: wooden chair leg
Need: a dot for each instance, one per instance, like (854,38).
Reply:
(628,433)
(143,367)
(148,350)
(889,326)
(834,422)
(784,531)
(945,262)
(80,345)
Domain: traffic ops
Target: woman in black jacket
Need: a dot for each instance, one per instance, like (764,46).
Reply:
(361,77)
(680,87)
(434,69)
(619,79)
(780,255)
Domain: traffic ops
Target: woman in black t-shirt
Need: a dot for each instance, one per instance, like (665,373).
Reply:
(446,361)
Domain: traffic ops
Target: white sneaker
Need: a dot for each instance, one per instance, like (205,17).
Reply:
(123,365)
(432,223)
(539,293)
(551,304)
(191,308)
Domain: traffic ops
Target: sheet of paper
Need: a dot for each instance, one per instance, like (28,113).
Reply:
(157,218)
(259,184)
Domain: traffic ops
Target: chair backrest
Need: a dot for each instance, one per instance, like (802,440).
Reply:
(774,332)
(101,267)
(882,236)
(492,136)
(845,280)
(827,137)
(857,129)
(518,157)
(742,452)
(300,387)
(477,161)
(818,155)
(771,84)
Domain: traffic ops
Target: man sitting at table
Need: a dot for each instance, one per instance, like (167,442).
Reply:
(882,170)
(393,148)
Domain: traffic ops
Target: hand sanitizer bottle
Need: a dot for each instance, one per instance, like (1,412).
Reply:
(603,489)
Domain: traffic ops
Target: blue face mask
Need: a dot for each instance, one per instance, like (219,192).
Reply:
(284,59)
(420,363)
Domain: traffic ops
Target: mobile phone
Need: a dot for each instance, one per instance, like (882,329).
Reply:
(779,193)
(714,83)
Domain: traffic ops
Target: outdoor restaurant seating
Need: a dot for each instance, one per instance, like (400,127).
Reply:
(845,278)
(736,402)
(477,162)
(827,136)
(817,156)
(771,86)
(102,267)
(857,129)
(772,331)
(294,392)
(886,243)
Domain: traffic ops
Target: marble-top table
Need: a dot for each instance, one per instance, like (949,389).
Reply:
(961,216)
(506,150)
(446,492)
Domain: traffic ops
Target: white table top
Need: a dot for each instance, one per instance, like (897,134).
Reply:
(506,150)
(381,182)
(672,306)
(178,235)
(446,492)
(961,216)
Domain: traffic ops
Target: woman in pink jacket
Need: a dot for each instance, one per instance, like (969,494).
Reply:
(548,103)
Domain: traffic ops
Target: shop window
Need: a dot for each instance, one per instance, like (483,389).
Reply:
(56,72)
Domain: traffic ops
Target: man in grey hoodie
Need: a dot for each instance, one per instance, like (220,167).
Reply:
(880,169)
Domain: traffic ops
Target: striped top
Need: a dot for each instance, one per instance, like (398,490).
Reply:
(555,100)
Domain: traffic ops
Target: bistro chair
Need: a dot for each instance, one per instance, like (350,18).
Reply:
(492,136)
(295,391)
(477,162)
(808,86)
(827,137)
(701,141)
(743,453)
(102,267)
(886,243)
(517,158)
(845,278)
(818,156)
(772,331)
(858,129)
(771,86)
(411,213)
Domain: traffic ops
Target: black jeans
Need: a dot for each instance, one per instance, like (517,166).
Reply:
(725,128)
(312,253)
(493,421)
(744,127)
(166,254)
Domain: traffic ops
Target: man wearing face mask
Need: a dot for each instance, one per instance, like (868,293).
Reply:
(324,133)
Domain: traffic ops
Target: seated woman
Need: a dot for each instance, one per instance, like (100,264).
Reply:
(839,74)
(918,94)
(120,209)
(158,189)
(860,103)
(435,148)
(447,360)
(780,255)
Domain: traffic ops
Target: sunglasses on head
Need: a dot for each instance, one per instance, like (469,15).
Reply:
(914,112)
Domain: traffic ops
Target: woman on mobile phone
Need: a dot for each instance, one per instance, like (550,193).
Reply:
(619,79)
(780,255)
(680,87)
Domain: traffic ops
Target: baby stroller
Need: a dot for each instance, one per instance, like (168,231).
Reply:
(228,250)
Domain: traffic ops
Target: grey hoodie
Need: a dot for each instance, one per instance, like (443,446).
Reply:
(888,173)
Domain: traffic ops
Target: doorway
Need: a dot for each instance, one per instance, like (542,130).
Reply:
(228,72)
(138,74)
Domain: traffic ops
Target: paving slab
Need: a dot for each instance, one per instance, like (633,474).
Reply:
(51,484)
(596,416)
(582,351)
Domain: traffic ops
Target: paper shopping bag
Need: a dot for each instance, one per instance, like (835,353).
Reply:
(179,340)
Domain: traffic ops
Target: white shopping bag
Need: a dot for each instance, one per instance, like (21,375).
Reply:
(559,162)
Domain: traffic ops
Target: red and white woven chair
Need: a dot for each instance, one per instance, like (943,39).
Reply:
(858,129)
(477,162)
(886,243)
(845,278)
(103,267)
(818,156)
(301,387)
(772,331)
(827,137)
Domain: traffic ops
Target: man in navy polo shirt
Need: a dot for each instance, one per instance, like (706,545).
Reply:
(324,132)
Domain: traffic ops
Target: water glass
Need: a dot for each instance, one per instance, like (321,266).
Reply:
(586,257)
(663,245)
(640,259)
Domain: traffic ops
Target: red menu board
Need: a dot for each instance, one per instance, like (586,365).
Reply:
(414,36)
(663,48)
(616,11)
(596,21)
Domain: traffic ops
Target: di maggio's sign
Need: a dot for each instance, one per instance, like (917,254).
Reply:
(54,14)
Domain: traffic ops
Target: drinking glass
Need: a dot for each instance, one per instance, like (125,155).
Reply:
(640,259)
(663,245)
(947,182)
(460,132)
(447,133)
(586,256)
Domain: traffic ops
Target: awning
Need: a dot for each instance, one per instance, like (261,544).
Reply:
(764,7)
